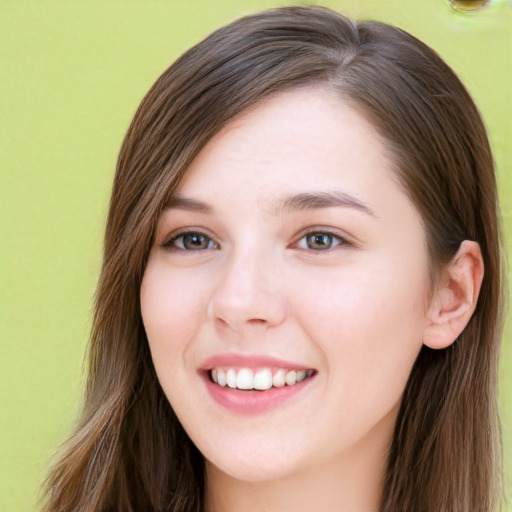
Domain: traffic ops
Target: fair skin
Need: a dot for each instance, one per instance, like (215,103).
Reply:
(290,249)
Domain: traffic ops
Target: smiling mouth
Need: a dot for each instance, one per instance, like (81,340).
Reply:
(261,379)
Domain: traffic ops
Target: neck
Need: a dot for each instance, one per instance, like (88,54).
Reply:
(348,482)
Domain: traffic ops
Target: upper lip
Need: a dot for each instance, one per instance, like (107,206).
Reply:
(250,361)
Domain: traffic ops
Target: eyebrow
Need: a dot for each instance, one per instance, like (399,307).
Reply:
(285,204)
(313,200)
(186,203)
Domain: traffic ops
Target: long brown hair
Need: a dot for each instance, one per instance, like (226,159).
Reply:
(129,452)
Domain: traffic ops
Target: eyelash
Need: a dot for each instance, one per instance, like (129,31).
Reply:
(177,242)
(337,240)
(171,244)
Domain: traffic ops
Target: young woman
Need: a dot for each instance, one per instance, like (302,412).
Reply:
(299,307)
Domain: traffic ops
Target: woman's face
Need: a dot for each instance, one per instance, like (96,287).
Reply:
(288,254)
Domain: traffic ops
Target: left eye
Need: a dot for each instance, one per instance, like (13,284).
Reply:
(319,241)
(191,241)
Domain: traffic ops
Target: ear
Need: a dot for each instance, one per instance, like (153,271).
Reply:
(455,298)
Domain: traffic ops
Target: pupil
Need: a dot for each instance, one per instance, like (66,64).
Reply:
(319,241)
(194,241)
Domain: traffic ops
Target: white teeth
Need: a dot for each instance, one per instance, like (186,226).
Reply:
(231,378)
(278,379)
(245,379)
(261,380)
(301,375)
(291,377)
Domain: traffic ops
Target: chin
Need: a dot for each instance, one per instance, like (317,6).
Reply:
(256,463)
(260,471)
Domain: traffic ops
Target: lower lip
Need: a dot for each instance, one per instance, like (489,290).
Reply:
(252,402)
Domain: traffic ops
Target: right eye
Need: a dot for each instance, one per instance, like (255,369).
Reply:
(190,241)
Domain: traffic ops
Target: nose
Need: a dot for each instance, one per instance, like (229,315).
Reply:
(247,295)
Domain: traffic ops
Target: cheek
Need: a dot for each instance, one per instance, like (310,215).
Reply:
(358,302)
(368,323)
(171,308)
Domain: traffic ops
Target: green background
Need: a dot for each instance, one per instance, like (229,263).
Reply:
(71,76)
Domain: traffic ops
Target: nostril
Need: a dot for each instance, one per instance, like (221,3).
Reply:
(221,322)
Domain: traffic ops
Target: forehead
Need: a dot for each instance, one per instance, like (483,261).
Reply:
(293,142)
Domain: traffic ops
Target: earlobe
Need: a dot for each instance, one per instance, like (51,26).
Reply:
(455,298)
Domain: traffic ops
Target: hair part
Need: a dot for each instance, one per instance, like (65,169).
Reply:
(129,451)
